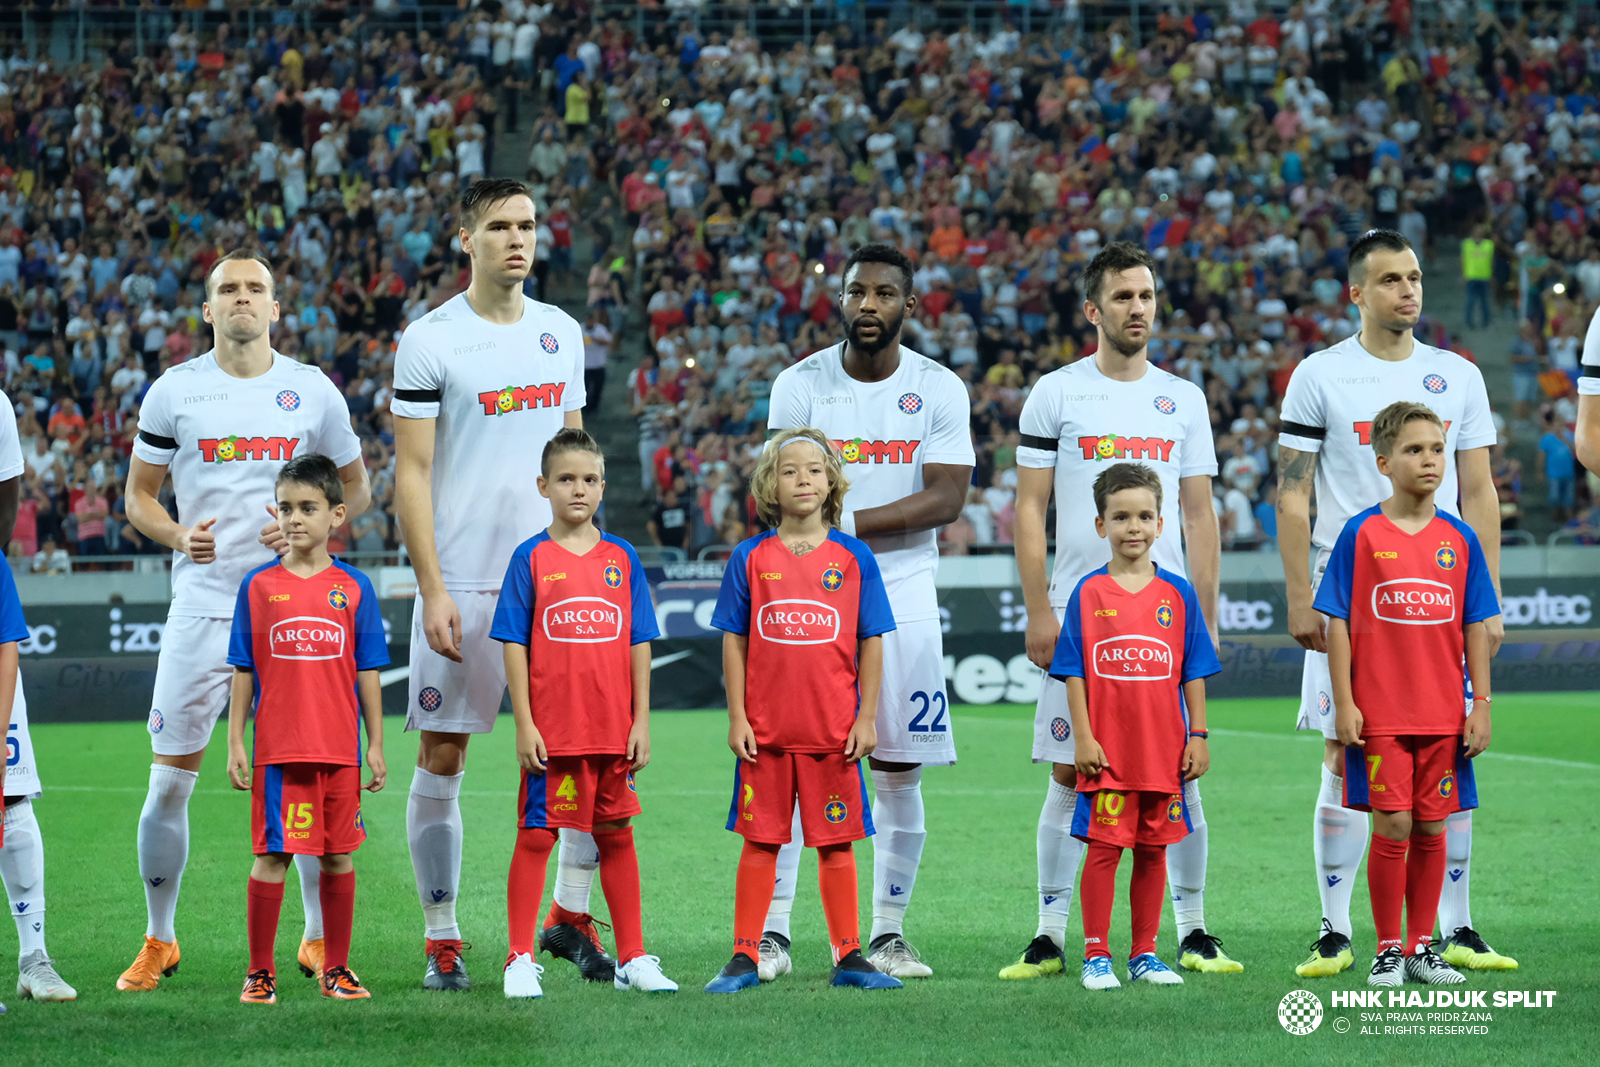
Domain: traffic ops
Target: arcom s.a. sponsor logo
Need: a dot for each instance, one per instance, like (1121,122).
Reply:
(1133,658)
(234,447)
(798,622)
(1414,602)
(583,620)
(306,637)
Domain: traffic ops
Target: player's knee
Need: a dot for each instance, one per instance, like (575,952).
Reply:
(892,768)
(190,762)
(1395,825)
(614,824)
(1064,774)
(271,867)
(1333,756)
(443,754)
(1427,828)
(337,863)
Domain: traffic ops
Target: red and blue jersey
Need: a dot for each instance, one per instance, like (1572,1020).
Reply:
(1407,599)
(1134,652)
(804,616)
(305,639)
(580,617)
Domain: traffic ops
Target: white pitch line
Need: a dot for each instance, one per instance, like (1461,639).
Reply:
(1307,735)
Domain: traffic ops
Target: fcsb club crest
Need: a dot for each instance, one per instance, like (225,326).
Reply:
(337,600)
(1166,405)
(911,403)
(1164,616)
(1447,785)
(548,342)
(832,579)
(1445,558)
(1175,809)
(613,576)
(1433,383)
(835,811)
(288,400)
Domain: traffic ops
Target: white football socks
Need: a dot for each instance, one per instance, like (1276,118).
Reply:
(1059,856)
(1455,910)
(309,868)
(897,815)
(1338,841)
(577,861)
(22,870)
(1186,868)
(164,846)
(788,876)
(433,828)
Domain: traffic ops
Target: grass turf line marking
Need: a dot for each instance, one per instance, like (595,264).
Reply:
(1308,735)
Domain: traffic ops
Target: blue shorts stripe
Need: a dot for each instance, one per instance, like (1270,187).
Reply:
(272,801)
(866,802)
(1183,799)
(533,800)
(1355,776)
(1466,782)
(1081,815)
(738,788)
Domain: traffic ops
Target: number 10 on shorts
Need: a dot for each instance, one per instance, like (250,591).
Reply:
(920,724)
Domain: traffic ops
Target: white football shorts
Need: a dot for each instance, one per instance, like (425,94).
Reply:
(22,770)
(913,711)
(193,683)
(458,698)
(1052,721)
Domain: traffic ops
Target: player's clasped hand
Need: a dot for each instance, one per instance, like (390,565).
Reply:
(198,542)
(862,740)
(379,769)
(1043,633)
(531,753)
(1196,758)
(1091,758)
(742,739)
(441,623)
(638,747)
(1347,724)
(272,534)
(1310,628)
(238,767)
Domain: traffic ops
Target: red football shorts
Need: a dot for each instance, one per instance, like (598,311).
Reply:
(831,794)
(1131,817)
(577,792)
(310,809)
(1408,772)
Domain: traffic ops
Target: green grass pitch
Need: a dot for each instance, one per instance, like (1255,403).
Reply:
(975,906)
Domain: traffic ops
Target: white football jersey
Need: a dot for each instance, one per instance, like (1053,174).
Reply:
(885,431)
(1589,384)
(499,394)
(10,443)
(1335,394)
(1080,422)
(225,439)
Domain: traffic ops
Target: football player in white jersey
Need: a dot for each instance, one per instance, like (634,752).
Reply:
(224,423)
(1588,439)
(1324,444)
(1106,408)
(21,846)
(902,425)
(481,385)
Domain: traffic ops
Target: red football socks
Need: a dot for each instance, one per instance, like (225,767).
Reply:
(263,901)
(752,896)
(619,881)
(1424,882)
(1096,888)
(836,876)
(1386,882)
(338,917)
(559,915)
(1145,893)
(525,888)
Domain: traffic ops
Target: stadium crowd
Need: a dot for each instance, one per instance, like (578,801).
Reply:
(721,181)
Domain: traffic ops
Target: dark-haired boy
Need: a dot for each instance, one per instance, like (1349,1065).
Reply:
(307,645)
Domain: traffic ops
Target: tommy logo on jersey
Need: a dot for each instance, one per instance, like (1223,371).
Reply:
(1364,430)
(306,637)
(1133,658)
(859,451)
(225,449)
(522,398)
(583,620)
(1115,446)
(798,622)
(1414,602)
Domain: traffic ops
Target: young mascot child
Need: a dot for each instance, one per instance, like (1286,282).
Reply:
(306,648)
(1134,653)
(1406,593)
(576,621)
(802,610)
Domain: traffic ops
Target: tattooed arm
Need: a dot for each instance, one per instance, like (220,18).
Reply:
(1296,471)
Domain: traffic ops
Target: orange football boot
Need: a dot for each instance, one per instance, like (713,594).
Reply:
(311,957)
(157,960)
(342,984)
(260,987)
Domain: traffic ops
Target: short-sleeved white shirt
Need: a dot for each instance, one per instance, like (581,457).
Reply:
(499,393)
(1589,383)
(1335,394)
(11,465)
(885,432)
(1080,422)
(225,439)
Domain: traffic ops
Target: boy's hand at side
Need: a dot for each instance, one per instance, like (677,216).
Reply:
(742,739)
(639,747)
(862,740)
(238,767)
(379,769)
(1196,759)
(1347,724)
(531,753)
(1091,758)
(1476,734)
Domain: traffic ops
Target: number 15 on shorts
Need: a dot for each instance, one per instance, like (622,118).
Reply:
(921,723)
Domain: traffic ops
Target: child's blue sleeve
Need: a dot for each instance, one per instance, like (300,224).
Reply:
(1199,654)
(1481,603)
(1068,661)
(733,600)
(241,652)
(874,616)
(372,644)
(645,627)
(1338,580)
(513,615)
(13,626)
